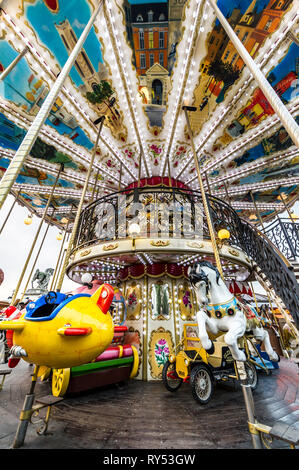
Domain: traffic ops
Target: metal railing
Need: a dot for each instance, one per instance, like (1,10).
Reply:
(285,235)
(109,218)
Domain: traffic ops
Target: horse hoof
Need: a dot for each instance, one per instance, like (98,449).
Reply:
(241,357)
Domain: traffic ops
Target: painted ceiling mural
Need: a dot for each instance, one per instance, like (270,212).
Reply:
(141,62)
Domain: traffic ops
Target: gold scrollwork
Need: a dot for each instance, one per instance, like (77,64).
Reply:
(84,253)
(160,243)
(195,245)
(111,246)
(233,252)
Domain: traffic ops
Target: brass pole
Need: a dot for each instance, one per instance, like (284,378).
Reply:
(226,192)
(59,255)
(36,236)
(274,100)
(27,408)
(9,212)
(257,211)
(36,258)
(203,194)
(12,65)
(95,184)
(287,209)
(276,322)
(208,183)
(251,285)
(27,143)
(169,173)
(120,175)
(139,169)
(61,262)
(76,222)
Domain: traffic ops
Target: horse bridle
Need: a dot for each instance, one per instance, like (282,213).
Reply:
(195,277)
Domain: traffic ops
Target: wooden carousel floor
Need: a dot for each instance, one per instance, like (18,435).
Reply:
(139,415)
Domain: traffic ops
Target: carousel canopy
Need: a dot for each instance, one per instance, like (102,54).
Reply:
(141,62)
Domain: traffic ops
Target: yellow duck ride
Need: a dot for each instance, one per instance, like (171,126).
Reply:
(60,331)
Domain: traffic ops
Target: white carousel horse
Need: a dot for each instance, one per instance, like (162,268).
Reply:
(223,312)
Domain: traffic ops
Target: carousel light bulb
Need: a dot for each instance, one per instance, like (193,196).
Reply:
(28,220)
(134,229)
(59,236)
(64,220)
(86,278)
(223,234)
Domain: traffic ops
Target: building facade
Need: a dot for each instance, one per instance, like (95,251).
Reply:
(150,35)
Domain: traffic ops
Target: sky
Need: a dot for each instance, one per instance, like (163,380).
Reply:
(15,242)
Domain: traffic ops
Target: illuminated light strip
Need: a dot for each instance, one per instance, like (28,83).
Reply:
(259,186)
(67,174)
(62,142)
(239,146)
(124,77)
(259,205)
(35,189)
(263,58)
(184,74)
(250,167)
(37,57)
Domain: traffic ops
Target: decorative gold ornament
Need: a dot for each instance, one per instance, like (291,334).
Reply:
(195,245)
(85,253)
(233,252)
(160,243)
(110,247)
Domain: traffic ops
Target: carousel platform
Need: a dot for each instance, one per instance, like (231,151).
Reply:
(143,415)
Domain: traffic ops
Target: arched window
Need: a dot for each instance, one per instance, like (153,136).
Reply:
(162,17)
(139,17)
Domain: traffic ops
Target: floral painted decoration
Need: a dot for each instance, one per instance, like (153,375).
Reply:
(156,152)
(132,300)
(186,300)
(161,352)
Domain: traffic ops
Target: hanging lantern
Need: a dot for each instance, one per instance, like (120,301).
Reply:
(28,220)
(294,216)
(59,236)
(223,234)
(252,217)
(64,220)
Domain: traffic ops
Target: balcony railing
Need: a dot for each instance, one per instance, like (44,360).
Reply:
(178,213)
(285,235)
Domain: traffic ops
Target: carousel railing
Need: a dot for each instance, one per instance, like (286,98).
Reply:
(284,233)
(108,218)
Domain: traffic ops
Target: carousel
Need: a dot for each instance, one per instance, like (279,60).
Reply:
(161,140)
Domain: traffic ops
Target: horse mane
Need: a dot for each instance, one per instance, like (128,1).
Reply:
(211,266)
